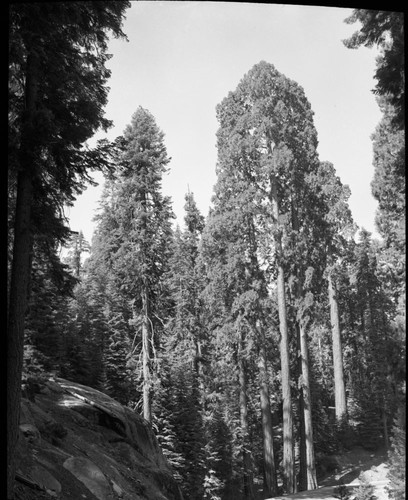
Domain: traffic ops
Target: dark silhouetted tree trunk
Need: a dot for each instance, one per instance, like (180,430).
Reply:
(20,273)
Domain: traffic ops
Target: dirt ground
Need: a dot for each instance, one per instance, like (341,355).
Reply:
(358,460)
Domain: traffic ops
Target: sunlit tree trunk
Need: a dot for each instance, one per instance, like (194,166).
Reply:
(311,482)
(270,487)
(307,458)
(302,478)
(146,355)
(288,456)
(339,387)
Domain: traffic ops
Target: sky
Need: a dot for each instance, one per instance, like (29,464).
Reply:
(182,58)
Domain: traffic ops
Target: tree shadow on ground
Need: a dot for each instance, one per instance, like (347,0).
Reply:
(352,464)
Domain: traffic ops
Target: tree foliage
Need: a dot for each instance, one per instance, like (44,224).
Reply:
(57,91)
(386,30)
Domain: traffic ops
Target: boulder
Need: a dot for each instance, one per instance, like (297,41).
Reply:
(77,442)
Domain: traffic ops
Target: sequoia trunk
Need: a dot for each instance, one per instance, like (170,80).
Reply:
(311,482)
(243,410)
(270,482)
(339,387)
(288,457)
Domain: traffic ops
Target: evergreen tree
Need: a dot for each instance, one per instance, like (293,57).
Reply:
(180,402)
(225,297)
(386,30)
(338,229)
(76,248)
(267,134)
(236,298)
(142,239)
(374,387)
(388,187)
(57,55)
(52,287)
(109,310)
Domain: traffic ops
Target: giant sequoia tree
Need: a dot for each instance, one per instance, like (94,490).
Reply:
(57,76)
(267,134)
(338,228)
(237,297)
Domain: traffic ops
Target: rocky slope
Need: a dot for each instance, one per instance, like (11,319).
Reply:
(77,443)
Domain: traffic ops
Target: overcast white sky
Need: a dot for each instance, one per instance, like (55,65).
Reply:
(183,58)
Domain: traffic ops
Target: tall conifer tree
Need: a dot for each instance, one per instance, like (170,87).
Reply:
(144,236)
(267,133)
(57,74)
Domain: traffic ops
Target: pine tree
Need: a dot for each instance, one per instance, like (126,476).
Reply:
(141,244)
(76,248)
(180,401)
(109,312)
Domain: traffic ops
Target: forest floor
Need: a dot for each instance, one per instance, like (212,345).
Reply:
(358,460)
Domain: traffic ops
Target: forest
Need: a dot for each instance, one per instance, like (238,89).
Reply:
(257,339)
